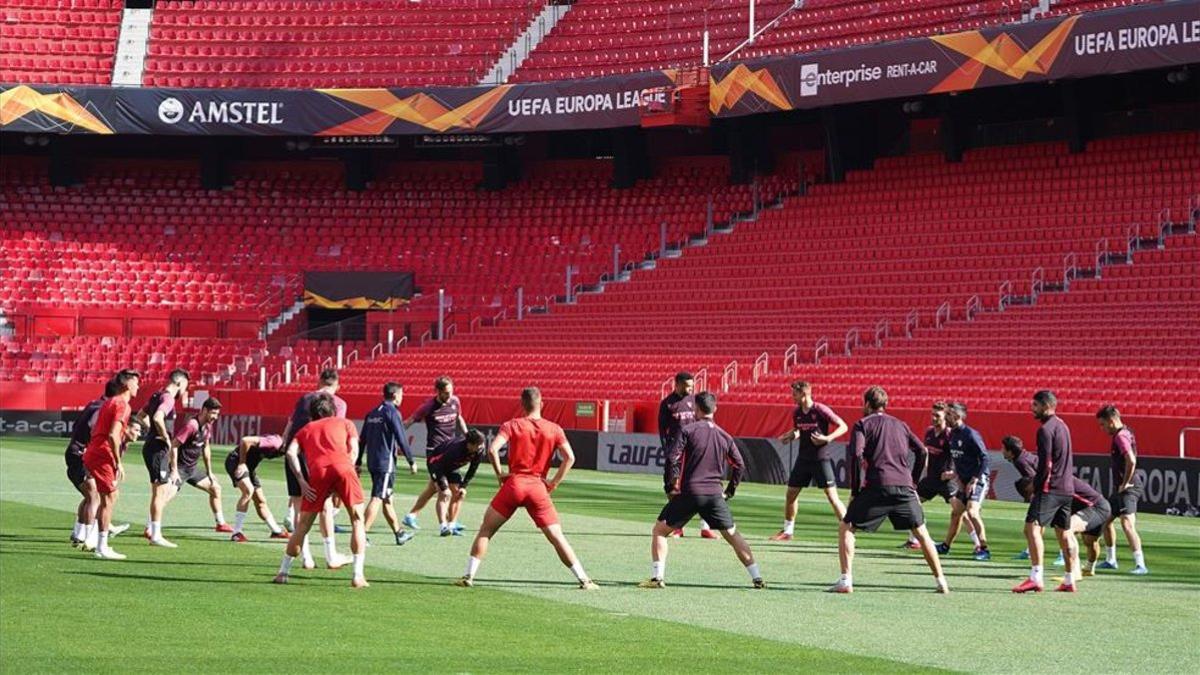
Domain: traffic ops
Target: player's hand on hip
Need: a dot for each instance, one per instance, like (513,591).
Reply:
(307,490)
(241,471)
(503,477)
(551,486)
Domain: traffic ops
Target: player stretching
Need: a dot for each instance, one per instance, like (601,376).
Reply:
(85,533)
(811,424)
(1052,486)
(937,481)
(970,470)
(442,415)
(696,464)
(452,485)
(883,443)
(242,466)
(675,412)
(331,447)
(532,442)
(1127,490)
(383,439)
(300,417)
(102,457)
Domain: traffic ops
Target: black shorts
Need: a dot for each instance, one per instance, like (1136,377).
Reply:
(231,464)
(818,472)
(713,509)
(444,479)
(382,484)
(1126,503)
(192,475)
(158,464)
(897,503)
(932,486)
(76,472)
(293,487)
(1048,508)
(1096,516)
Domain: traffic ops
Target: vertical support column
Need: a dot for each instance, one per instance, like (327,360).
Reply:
(262,378)
(391,340)
(520,303)
(340,354)
(287,371)
(616,273)
(441,312)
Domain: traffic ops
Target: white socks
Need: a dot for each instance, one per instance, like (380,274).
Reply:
(103,543)
(704,527)
(359,560)
(472,566)
(1035,573)
(577,570)
(156,530)
(1068,579)
(91,534)
(330,549)
(1112,555)
(1139,559)
(286,565)
(846,580)
(975,538)
(657,569)
(306,553)
(239,520)
(789,527)
(752,570)
(275,529)
(220,516)
(77,531)
(291,514)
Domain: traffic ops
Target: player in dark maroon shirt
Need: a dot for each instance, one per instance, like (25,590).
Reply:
(159,452)
(696,463)
(242,466)
(675,412)
(1127,490)
(1090,512)
(938,480)
(882,444)
(814,427)
(444,422)
(1052,489)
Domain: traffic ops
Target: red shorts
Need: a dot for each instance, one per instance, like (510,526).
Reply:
(103,472)
(529,492)
(334,479)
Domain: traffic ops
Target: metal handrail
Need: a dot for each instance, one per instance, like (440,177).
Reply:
(327,363)
(274,379)
(350,358)
(475,323)
(1037,281)
(729,376)
(376,350)
(1070,269)
(1133,238)
(1164,224)
(402,342)
(502,314)
(702,379)
(883,330)
(1006,292)
(450,331)
(301,369)
(427,335)
(974,306)
(851,340)
(791,357)
(762,366)
(912,321)
(822,349)
(1101,255)
(942,315)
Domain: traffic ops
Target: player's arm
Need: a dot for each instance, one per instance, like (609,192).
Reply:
(461,424)
(854,453)
(737,467)
(1041,472)
(664,421)
(419,414)
(674,464)
(494,455)
(839,430)
(402,439)
(293,460)
(115,436)
(790,435)
(208,458)
(354,454)
(922,455)
(568,461)
(1130,464)
(470,472)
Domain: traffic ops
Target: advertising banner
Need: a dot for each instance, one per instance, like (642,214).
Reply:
(357,290)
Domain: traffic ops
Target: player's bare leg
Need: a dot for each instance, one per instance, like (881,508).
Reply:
(295,546)
(457,496)
(1129,527)
(389,515)
(264,512)
(161,494)
(1033,537)
(104,517)
(88,507)
(333,559)
(305,552)
(742,549)
(957,512)
(358,545)
(213,490)
(846,544)
(566,555)
(1070,551)
(1092,544)
(975,522)
(835,501)
(442,507)
(431,489)
(790,507)
(492,522)
(372,512)
(929,550)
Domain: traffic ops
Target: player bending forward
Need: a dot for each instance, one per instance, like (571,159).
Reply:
(86,533)
(883,443)
(242,466)
(532,442)
(102,457)
(330,447)
(695,466)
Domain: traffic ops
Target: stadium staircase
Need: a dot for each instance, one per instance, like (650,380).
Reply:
(51,42)
(132,44)
(526,42)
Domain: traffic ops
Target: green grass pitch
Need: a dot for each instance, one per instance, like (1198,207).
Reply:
(208,605)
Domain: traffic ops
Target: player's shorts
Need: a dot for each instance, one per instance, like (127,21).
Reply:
(192,475)
(104,473)
(335,479)
(293,487)
(530,493)
(1048,508)
(444,479)
(932,486)
(713,509)
(158,464)
(978,493)
(76,471)
(382,484)
(1022,485)
(231,464)
(897,503)
(817,472)
(1096,516)
(1126,503)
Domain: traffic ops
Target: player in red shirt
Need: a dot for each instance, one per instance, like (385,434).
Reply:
(102,457)
(330,447)
(532,442)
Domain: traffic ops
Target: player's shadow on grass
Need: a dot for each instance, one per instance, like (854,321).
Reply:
(153,577)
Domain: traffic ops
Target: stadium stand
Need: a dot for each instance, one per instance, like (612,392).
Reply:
(906,237)
(52,42)
(315,43)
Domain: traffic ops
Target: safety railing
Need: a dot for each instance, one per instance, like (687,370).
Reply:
(821,350)
(851,342)
(1101,256)
(883,330)
(942,315)
(376,351)
(1070,269)
(426,337)
(729,376)
(974,306)
(702,379)
(1005,294)
(912,321)
(762,366)
(791,356)
(1037,282)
